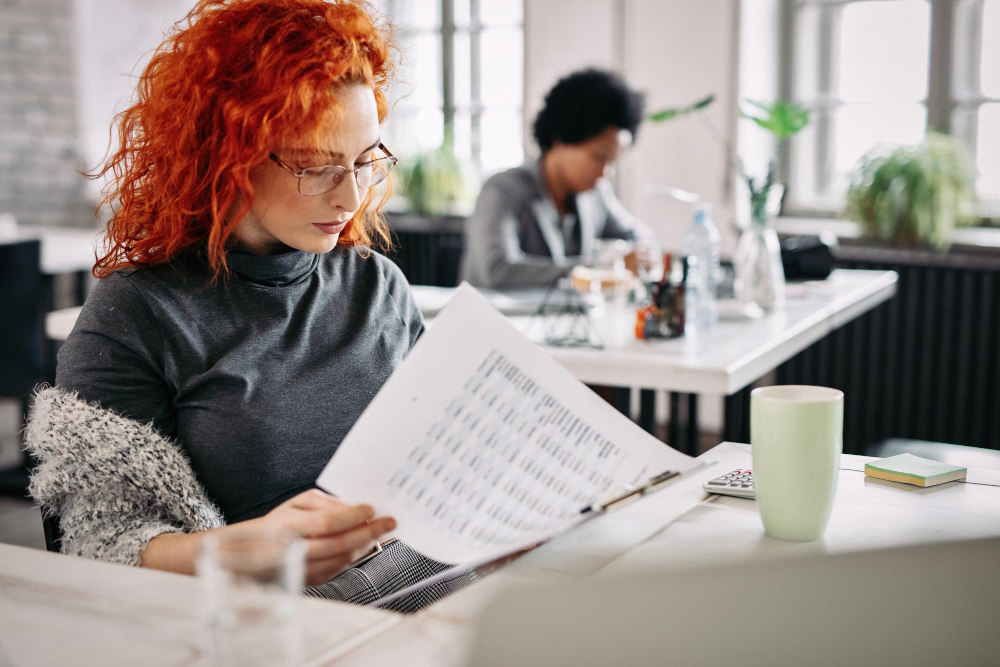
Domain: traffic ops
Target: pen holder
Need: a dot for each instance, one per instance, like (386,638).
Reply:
(663,317)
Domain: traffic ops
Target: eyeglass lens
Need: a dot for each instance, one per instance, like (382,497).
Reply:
(320,180)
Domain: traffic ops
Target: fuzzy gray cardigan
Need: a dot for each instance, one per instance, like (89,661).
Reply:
(115,484)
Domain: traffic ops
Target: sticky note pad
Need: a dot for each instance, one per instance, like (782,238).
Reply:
(910,469)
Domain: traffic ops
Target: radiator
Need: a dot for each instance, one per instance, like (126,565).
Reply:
(428,252)
(924,365)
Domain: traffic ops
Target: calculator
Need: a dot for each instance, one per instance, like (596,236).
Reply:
(738,483)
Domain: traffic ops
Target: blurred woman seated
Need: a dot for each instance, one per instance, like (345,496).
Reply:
(534,223)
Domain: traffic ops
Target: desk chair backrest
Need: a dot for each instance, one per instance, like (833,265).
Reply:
(922,605)
(53,533)
(22,318)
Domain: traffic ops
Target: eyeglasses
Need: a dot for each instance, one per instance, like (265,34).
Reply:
(322,179)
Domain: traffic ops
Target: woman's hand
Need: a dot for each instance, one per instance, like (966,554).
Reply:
(337,534)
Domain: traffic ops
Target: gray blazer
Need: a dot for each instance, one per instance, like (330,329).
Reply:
(515,238)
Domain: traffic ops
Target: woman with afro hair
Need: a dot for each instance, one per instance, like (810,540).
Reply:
(534,223)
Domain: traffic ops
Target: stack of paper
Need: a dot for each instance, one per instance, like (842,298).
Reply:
(910,469)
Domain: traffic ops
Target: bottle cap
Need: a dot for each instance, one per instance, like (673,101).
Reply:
(702,211)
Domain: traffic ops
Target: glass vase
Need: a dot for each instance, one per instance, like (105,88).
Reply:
(760,278)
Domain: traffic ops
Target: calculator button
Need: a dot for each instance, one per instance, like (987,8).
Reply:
(746,485)
(716,482)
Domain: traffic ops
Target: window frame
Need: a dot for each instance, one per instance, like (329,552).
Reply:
(952,22)
(446,33)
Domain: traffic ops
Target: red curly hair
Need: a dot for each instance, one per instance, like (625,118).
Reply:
(233,79)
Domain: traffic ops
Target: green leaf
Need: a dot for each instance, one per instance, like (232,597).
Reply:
(781,118)
(673,112)
(913,194)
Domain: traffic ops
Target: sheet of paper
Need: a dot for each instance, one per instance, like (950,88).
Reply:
(481,442)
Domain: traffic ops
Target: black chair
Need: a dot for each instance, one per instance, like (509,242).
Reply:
(23,359)
(53,533)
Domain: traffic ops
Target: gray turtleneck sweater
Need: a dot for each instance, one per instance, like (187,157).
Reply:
(258,377)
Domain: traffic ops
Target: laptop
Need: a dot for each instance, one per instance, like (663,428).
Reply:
(935,604)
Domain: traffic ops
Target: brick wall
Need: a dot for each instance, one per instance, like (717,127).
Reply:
(38,115)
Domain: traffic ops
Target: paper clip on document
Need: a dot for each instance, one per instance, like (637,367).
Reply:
(632,494)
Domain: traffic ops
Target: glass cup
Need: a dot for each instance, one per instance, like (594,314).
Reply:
(797,433)
(252,580)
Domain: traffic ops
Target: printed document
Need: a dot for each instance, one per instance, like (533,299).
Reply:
(480,443)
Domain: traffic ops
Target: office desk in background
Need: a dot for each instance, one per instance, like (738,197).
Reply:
(723,360)
(65,251)
(57,610)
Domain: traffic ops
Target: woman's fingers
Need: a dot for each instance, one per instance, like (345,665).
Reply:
(314,499)
(360,539)
(318,523)
(329,556)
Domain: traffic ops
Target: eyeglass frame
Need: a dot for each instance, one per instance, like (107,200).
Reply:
(300,174)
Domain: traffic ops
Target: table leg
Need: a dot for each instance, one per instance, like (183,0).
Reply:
(647,410)
(80,286)
(737,420)
(674,434)
(621,398)
(692,425)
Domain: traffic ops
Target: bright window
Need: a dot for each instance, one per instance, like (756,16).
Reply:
(462,67)
(884,72)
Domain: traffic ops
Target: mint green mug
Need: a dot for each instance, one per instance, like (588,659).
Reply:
(797,433)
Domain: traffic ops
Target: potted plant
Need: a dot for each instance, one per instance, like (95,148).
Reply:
(759,275)
(432,181)
(913,195)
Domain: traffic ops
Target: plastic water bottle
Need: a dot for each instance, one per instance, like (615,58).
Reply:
(701,246)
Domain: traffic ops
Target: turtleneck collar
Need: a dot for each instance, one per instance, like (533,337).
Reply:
(286,268)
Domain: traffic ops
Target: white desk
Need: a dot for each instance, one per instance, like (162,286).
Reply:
(64,249)
(58,610)
(722,360)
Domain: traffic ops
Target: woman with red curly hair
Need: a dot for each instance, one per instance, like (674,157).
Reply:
(242,323)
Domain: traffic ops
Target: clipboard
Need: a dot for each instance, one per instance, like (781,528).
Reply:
(600,508)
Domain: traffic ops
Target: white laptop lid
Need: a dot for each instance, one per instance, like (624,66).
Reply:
(923,605)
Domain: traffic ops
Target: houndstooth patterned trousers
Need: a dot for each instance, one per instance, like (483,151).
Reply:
(395,568)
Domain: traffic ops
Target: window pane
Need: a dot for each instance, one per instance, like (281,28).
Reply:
(808,23)
(418,80)
(461,13)
(500,12)
(463,135)
(463,70)
(884,50)
(501,67)
(414,14)
(989,72)
(860,127)
(805,184)
(987,155)
(411,130)
(500,134)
